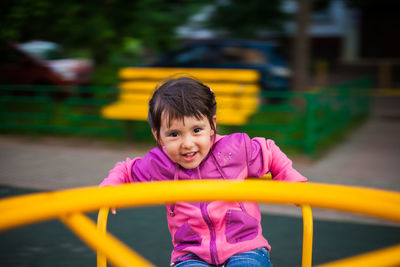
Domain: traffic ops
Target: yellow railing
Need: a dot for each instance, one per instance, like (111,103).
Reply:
(307,235)
(68,206)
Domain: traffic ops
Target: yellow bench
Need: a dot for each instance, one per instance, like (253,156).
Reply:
(236,92)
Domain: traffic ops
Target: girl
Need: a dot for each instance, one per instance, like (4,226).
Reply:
(218,233)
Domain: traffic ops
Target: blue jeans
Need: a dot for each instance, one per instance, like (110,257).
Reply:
(254,258)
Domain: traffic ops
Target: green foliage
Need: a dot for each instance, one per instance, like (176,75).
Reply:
(99,26)
(248,18)
(105,75)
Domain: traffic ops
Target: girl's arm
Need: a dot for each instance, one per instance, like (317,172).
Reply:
(120,174)
(153,164)
(265,156)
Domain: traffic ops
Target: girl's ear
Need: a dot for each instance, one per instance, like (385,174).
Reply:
(155,137)
(215,123)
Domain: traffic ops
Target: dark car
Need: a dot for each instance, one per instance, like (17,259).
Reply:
(261,56)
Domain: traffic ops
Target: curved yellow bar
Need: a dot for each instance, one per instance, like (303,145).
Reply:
(26,209)
(307,236)
(67,204)
(118,253)
(102,227)
(387,257)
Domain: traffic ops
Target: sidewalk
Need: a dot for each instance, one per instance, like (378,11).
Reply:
(368,157)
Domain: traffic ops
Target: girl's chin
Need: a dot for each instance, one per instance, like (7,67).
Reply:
(190,165)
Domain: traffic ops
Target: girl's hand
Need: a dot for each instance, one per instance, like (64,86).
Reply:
(113,211)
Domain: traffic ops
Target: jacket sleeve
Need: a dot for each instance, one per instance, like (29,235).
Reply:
(120,174)
(264,156)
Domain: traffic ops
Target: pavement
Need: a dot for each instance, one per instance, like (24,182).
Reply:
(369,156)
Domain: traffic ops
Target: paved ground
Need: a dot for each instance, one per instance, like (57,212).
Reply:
(368,157)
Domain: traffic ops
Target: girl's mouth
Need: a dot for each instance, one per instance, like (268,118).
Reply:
(189,156)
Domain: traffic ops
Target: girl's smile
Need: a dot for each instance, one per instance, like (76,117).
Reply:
(189,156)
(187,141)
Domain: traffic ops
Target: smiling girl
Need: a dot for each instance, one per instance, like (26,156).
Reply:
(182,116)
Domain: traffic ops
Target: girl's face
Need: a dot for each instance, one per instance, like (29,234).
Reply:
(186,141)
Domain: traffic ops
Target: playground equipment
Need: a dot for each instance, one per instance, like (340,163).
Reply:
(69,205)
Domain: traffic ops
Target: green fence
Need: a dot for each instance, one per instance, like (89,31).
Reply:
(57,110)
(304,119)
(293,119)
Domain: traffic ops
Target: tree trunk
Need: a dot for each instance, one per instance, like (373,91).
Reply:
(301,47)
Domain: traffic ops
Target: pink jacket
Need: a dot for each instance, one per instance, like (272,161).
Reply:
(215,230)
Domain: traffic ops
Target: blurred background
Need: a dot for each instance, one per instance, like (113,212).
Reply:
(66,56)
(60,61)
(328,94)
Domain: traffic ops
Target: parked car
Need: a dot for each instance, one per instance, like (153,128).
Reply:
(73,71)
(20,68)
(262,56)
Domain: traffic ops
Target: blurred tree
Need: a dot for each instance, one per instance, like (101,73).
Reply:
(301,47)
(99,26)
(248,18)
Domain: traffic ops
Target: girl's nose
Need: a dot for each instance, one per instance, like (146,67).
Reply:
(187,142)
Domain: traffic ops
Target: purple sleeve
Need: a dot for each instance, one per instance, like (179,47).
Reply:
(120,174)
(264,156)
(152,167)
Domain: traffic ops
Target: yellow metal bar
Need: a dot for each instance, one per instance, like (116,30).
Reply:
(26,209)
(307,236)
(118,253)
(267,176)
(102,227)
(151,73)
(387,257)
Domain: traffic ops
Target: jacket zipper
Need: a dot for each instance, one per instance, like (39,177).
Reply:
(207,219)
(213,246)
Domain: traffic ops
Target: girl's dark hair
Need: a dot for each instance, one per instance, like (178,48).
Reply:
(180,97)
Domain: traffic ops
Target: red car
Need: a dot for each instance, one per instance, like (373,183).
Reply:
(40,63)
(18,67)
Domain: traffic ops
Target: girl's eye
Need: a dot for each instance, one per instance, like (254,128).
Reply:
(173,134)
(197,130)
